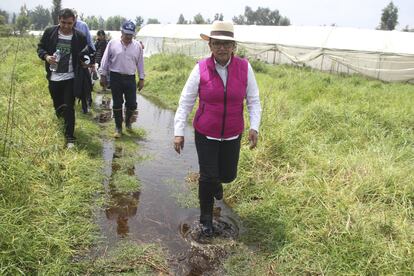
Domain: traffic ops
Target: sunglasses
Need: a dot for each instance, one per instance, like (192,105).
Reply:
(224,44)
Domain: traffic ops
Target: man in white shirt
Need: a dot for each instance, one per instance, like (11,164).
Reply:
(121,60)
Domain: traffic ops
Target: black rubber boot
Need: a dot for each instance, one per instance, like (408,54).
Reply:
(128,119)
(118,122)
(85,108)
(205,195)
(218,194)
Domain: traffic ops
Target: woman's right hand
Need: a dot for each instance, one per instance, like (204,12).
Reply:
(178,143)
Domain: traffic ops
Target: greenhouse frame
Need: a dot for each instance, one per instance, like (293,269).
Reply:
(384,55)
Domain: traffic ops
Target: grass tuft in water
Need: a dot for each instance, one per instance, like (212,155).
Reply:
(129,258)
(187,197)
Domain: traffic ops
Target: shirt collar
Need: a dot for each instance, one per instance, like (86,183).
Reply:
(126,45)
(225,66)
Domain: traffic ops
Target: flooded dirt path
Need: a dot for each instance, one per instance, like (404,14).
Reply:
(152,214)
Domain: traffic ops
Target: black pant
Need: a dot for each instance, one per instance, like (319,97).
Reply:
(86,100)
(63,102)
(123,86)
(218,161)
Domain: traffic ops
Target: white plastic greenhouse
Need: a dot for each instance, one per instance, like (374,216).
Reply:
(385,55)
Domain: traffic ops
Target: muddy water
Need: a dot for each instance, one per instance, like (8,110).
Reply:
(152,215)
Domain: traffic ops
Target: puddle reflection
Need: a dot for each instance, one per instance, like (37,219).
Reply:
(103,105)
(122,207)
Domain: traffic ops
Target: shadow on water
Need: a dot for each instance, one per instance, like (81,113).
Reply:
(152,214)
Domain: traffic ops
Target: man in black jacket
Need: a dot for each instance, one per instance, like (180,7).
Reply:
(70,42)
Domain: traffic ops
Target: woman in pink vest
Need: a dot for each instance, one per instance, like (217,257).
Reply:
(222,83)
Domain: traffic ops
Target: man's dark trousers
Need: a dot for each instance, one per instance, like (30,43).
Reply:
(123,86)
(63,102)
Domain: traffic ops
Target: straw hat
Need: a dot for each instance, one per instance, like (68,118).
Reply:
(222,30)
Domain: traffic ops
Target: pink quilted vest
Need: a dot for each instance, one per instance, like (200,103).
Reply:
(220,110)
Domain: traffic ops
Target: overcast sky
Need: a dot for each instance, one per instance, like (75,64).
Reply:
(344,13)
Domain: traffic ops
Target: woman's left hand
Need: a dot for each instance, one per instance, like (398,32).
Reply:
(178,143)
(253,135)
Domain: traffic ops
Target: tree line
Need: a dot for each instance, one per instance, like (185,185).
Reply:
(41,17)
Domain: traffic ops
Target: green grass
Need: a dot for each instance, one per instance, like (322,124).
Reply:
(165,78)
(128,258)
(49,195)
(186,194)
(337,152)
(329,190)
(123,178)
(245,262)
(46,191)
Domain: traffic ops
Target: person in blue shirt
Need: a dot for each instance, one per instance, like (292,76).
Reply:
(83,28)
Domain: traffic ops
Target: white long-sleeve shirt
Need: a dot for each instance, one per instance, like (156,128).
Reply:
(190,92)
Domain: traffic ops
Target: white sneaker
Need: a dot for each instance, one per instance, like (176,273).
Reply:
(70,145)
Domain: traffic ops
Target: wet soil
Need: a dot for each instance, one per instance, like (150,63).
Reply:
(152,214)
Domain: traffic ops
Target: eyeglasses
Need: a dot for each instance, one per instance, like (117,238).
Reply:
(225,44)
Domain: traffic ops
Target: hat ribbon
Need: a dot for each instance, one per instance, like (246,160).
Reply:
(225,33)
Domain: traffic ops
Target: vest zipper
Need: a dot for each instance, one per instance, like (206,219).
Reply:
(225,104)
